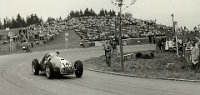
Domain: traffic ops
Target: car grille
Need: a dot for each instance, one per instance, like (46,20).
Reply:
(67,70)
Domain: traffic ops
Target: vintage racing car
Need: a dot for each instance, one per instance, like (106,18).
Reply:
(53,65)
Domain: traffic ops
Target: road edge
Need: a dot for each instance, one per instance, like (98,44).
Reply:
(129,75)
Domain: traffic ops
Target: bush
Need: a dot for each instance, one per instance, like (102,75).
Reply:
(152,55)
(147,56)
(139,55)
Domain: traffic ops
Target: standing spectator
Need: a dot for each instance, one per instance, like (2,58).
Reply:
(167,45)
(108,49)
(163,40)
(82,43)
(194,56)
(17,46)
(154,38)
(159,44)
(150,38)
(171,45)
(180,46)
(114,46)
(188,44)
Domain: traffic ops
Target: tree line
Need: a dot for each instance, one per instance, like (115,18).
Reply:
(20,21)
(91,12)
(34,19)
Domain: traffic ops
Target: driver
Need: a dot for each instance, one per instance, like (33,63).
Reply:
(49,55)
(56,53)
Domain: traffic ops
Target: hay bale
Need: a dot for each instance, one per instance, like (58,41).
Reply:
(139,55)
(152,55)
(146,56)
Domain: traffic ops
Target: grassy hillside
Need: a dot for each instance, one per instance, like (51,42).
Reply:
(74,39)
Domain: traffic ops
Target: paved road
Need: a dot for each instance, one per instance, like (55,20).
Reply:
(17,79)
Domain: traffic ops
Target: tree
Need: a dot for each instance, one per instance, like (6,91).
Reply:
(113,13)
(1,25)
(36,19)
(72,13)
(18,20)
(50,20)
(7,23)
(60,18)
(29,21)
(128,15)
(106,13)
(41,20)
(92,12)
(33,19)
(81,13)
(14,23)
(86,12)
(101,13)
(77,14)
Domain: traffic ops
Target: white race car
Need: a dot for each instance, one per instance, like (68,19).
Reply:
(53,65)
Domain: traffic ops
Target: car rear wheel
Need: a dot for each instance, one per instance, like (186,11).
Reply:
(35,67)
(49,70)
(79,68)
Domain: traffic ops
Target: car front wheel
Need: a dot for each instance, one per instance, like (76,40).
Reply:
(79,68)
(49,70)
(35,67)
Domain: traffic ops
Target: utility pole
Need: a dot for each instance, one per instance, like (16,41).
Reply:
(120,36)
(174,30)
(119,4)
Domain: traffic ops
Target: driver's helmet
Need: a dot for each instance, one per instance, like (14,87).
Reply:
(57,52)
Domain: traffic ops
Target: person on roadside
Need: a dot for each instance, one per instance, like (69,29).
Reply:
(194,56)
(180,46)
(114,46)
(198,64)
(154,38)
(108,49)
(82,43)
(150,37)
(27,46)
(159,44)
(188,44)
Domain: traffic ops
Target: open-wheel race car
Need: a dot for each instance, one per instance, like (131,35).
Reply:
(53,65)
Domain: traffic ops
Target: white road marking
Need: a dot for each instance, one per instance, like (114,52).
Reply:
(22,76)
(22,64)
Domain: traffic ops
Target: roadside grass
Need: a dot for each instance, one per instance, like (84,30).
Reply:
(140,41)
(148,68)
(74,39)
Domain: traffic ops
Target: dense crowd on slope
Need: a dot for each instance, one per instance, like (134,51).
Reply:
(34,35)
(102,28)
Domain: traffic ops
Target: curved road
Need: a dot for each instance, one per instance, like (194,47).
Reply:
(17,79)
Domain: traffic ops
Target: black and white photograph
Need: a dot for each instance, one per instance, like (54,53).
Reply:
(99,47)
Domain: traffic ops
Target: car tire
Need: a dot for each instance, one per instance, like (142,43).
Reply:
(79,68)
(49,70)
(35,67)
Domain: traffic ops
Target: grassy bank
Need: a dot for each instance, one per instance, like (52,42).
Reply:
(149,68)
